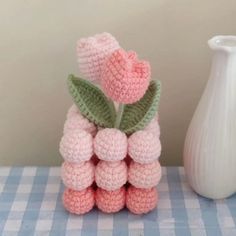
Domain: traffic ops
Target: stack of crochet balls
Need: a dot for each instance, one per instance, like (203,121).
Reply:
(110,142)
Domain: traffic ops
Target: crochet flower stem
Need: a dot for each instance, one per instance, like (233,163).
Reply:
(119,115)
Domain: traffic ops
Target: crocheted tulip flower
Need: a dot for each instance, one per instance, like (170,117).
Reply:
(92,53)
(110,201)
(141,201)
(144,147)
(78,202)
(110,144)
(125,79)
(110,175)
(76,146)
(77,176)
(144,175)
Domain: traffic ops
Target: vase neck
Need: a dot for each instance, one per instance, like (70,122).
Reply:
(224,56)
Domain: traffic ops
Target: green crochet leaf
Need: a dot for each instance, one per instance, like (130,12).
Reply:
(137,115)
(91,102)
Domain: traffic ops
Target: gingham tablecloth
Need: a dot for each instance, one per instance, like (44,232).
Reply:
(30,204)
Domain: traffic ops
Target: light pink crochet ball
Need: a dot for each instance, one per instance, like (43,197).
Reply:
(77,176)
(153,127)
(92,53)
(73,110)
(78,121)
(76,146)
(144,175)
(110,201)
(110,175)
(110,144)
(78,202)
(144,147)
(141,201)
(125,79)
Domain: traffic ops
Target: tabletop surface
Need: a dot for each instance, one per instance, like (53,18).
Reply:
(30,204)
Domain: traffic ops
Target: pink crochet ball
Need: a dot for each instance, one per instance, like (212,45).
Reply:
(92,53)
(110,144)
(144,175)
(77,176)
(141,201)
(78,202)
(78,121)
(110,175)
(125,79)
(144,147)
(153,127)
(110,201)
(73,110)
(76,146)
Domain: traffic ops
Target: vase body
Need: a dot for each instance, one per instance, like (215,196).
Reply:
(210,145)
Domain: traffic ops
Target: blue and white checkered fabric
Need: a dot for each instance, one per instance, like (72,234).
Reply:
(30,204)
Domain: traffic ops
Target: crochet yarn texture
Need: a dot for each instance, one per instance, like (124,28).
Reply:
(110,145)
(110,201)
(153,127)
(144,147)
(77,176)
(111,175)
(78,202)
(78,121)
(141,201)
(92,53)
(144,175)
(111,150)
(92,103)
(76,146)
(138,115)
(125,79)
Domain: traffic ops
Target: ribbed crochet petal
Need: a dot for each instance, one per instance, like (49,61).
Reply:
(124,78)
(92,53)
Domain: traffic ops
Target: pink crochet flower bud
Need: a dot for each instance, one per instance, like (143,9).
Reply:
(125,79)
(78,202)
(110,175)
(92,53)
(110,201)
(144,175)
(78,121)
(141,201)
(76,146)
(77,176)
(144,147)
(153,127)
(110,145)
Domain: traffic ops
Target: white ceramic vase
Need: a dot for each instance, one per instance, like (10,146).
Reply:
(210,145)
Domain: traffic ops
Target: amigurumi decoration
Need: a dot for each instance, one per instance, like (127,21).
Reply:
(111,137)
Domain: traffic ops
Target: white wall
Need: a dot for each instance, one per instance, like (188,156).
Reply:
(37,52)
